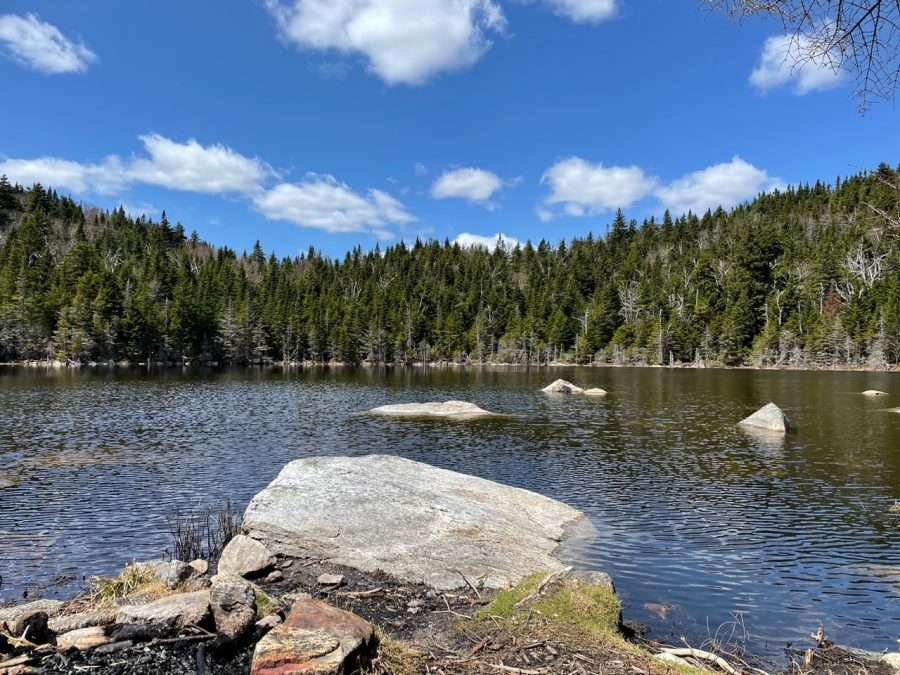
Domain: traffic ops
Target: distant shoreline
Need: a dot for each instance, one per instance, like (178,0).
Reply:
(216,365)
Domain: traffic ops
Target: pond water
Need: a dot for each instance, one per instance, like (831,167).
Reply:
(697,521)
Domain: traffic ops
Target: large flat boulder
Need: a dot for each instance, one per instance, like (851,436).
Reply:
(768,418)
(455,410)
(414,521)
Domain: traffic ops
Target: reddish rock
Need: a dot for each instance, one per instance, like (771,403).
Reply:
(316,639)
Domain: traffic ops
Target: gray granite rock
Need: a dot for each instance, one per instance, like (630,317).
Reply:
(456,410)
(562,387)
(244,556)
(69,622)
(233,602)
(170,572)
(769,418)
(173,611)
(414,521)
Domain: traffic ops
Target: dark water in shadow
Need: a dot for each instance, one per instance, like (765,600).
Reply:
(690,510)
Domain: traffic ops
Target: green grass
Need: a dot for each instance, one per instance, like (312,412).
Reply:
(504,603)
(264,604)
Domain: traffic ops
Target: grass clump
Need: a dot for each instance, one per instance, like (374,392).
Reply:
(503,605)
(394,658)
(264,604)
(134,581)
(567,609)
(593,610)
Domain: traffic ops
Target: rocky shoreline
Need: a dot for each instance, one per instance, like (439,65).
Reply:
(375,566)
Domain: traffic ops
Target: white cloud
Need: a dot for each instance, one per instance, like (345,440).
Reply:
(783,62)
(324,203)
(467,240)
(725,185)
(584,11)
(107,177)
(404,41)
(473,185)
(41,46)
(139,210)
(579,188)
(189,166)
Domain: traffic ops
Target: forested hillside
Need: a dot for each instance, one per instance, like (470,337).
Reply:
(809,277)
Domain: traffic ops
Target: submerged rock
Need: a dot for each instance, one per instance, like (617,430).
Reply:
(314,638)
(458,410)
(874,392)
(562,387)
(244,556)
(769,418)
(411,520)
(596,391)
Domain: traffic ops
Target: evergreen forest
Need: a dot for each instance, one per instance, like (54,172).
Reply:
(805,277)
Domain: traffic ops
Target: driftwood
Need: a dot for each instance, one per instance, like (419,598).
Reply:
(690,652)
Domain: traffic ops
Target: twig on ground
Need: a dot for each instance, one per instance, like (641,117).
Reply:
(550,578)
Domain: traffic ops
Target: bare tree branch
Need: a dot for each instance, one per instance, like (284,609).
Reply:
(861,37)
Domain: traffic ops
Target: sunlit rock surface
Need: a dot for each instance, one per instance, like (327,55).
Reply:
(769,418)
(562,387)
(459,410)
(411,520)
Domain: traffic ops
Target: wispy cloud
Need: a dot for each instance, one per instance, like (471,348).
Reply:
(474,185)
(41,46)
(324,203)
(320,202)
(785,61)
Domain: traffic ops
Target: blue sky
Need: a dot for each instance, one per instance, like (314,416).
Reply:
(332,123)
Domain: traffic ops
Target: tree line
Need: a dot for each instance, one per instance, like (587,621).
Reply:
(802,277)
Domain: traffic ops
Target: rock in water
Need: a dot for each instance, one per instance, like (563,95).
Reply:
(769,418)
(244,556)
(595,392)
(315,638)
(562,387)
(874,392)
(456,410)
(411,520)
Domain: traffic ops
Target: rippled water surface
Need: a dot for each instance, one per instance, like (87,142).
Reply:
(692,513)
